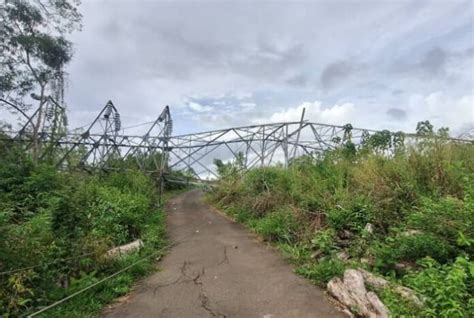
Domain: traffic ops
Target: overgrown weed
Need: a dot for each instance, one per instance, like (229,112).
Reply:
(385,205)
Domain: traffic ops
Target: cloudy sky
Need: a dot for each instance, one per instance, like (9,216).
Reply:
(375,64)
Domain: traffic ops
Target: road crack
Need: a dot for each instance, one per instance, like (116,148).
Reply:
(177,280)
(225,259)
(205,302)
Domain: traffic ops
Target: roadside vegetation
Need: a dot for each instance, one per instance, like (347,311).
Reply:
(57,226)
(403,211)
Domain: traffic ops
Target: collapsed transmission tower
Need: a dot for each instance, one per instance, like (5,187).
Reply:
(104,146)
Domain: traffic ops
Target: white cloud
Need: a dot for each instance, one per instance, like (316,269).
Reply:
(248,105)
(198,107)
(442,110)
(314,111)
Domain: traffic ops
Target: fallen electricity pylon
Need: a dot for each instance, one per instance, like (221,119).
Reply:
(102,144)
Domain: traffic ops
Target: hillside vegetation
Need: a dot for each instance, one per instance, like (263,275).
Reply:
(56,227)
(404,212)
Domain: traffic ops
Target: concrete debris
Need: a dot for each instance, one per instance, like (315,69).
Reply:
(125,249)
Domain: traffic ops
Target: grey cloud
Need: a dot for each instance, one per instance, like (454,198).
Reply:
(156,53)
(397,113)
(268,61)
(434,61)
(184,41)
(297,80)
(335,73)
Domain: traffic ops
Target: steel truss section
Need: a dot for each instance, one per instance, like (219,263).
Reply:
(260,145)
(104,146)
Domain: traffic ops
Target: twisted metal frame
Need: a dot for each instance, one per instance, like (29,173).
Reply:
(261,145)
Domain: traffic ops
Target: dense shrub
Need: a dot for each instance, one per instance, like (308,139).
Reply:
(56,226)
(279,226)
(384,204)
(448,288)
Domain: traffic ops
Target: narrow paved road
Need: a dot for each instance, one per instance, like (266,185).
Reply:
(219,269)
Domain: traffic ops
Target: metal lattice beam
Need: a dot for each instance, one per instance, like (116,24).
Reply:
(101,144)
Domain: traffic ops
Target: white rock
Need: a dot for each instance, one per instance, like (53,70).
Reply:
(369,228)
(125,249)
(351,292)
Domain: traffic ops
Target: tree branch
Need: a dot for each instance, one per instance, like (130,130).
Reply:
(16,107)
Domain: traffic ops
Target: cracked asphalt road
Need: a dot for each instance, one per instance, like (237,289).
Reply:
(217,268)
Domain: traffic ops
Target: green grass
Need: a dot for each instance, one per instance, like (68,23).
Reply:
(62,223)
(406,214)
(92,302)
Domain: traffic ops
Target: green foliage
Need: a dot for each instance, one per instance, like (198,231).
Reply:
(56,227)
(448,288)
(34,45)
(384,203)
(398,306)
(324,240)
(322,271)
(278,226)
(117,215)
(447,218)
(232,168)
(409,248)
(298,253)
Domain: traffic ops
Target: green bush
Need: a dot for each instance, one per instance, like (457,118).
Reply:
(448,288)
(385,203)
(322,271)
(408,248)
(58,225)
(447,218)
(324,240)
(298,253)
(278,226)
(118,215)
(353,213)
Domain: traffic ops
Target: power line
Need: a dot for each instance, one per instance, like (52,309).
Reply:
(138,125)
(59,302)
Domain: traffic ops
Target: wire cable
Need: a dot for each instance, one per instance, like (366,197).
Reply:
(93,285)
(138,125)
(46,264)
(59,302)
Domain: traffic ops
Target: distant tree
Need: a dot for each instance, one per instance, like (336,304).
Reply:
(34,50)
(424,128)
(398,141)
(231,168)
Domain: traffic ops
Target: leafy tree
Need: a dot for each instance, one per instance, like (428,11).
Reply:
(398,141)
(34,51)
(424,128)
(231,168)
